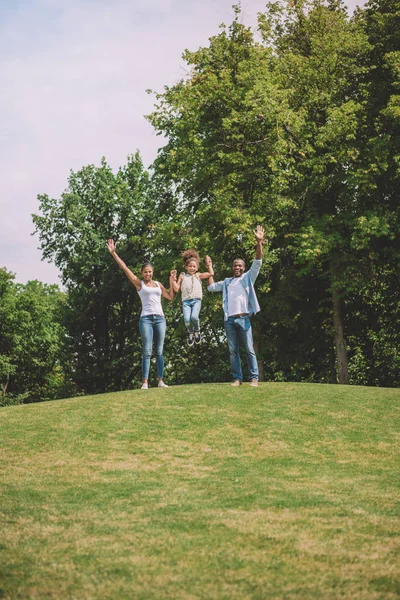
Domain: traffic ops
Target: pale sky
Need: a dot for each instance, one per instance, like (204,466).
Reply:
(74,75)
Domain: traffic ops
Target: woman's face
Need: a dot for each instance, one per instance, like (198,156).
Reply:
(147,273)
(191,267)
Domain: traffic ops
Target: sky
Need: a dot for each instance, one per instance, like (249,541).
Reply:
(74,78)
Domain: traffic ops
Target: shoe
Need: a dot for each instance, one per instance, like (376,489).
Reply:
(162,384)
(236,383)
(190,339)
(145,386)
(254,383)
(197,337)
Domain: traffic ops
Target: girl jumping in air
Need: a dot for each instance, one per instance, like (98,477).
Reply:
(190,285)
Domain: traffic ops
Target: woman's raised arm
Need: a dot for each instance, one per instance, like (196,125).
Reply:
(112,246)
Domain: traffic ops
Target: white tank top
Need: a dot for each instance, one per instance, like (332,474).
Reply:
(151,300)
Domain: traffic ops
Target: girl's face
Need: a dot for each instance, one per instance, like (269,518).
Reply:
(147,273)
(191,267)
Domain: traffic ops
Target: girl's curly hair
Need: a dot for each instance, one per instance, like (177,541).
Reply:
(189,255)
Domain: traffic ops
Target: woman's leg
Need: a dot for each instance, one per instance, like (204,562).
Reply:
(146,331)
(160,328)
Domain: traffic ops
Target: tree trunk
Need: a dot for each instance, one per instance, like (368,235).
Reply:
(338,336)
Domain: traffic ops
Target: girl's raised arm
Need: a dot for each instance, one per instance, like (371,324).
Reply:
(112,246)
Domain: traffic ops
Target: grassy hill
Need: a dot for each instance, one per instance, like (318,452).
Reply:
(202,492)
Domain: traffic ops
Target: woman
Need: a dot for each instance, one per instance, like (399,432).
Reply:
(152,320)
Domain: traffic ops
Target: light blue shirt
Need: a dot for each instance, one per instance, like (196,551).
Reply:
(247,281)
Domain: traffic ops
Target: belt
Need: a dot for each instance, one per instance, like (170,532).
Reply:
(240,315)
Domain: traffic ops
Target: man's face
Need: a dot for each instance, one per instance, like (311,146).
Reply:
(238,267)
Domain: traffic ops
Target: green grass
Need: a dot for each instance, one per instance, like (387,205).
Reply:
(201,492)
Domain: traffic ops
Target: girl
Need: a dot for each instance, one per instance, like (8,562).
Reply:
(190,285)
(152,320)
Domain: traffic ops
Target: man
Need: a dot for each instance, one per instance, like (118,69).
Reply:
(239,303)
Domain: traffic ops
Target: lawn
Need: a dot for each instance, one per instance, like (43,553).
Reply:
(285,491)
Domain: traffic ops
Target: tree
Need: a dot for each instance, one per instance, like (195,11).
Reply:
(7,322)
(31,340)
(101,317)
(274,132)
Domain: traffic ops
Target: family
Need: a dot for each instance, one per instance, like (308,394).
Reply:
(239,304)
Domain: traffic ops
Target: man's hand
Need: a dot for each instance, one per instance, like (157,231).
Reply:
(259,233)
(208,262)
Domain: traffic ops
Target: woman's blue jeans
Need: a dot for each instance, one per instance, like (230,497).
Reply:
(152,326)
(238,330)
(191,310)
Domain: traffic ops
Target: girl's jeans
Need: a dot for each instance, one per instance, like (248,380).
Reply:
(149,326)
(191,310)
(238,329)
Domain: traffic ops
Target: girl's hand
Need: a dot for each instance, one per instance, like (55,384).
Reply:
(208,261)
(111,245)
(173,274)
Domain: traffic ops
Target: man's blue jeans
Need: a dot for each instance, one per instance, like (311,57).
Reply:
(152,326)
(191,310)
(238,330)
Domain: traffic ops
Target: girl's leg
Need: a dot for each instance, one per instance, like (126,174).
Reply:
(196,306)
(146,331)
(187,310)
(160,328)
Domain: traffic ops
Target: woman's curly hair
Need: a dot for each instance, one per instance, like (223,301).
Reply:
(189,255)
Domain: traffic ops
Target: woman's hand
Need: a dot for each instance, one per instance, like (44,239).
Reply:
(173,274)
(111,245)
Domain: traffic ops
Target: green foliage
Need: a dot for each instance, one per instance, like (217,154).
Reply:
(282,133)
(298,130)
(31,340)
(102,351)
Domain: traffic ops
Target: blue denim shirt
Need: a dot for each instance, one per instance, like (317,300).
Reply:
(247,280)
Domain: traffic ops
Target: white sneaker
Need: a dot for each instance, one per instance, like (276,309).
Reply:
(145,386)
(162,384)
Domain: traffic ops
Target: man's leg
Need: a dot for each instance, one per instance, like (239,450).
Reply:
(233,345)
(246,337)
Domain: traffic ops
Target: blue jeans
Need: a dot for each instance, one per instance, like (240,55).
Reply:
(148,326)
(238,329)
(191,310)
